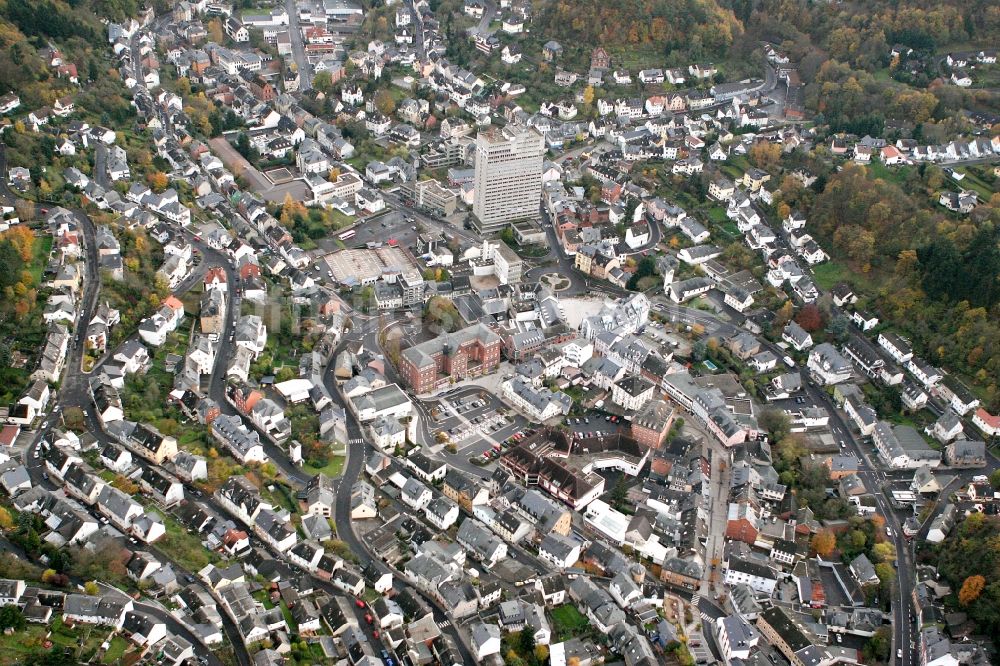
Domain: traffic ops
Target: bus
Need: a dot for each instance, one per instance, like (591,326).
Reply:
(350,233)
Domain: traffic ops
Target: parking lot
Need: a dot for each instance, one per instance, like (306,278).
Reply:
(476,420)
(595,424)
(392,225)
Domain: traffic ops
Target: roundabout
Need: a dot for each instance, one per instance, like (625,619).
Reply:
(555,281)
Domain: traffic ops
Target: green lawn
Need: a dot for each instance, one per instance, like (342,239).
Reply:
(115,651)
(831,272)
(333,469)
(568,621)
(717,214)
(889,174)
(974,183)
(337,219)
(731,171)
(281,496)
(289,620)
(740,162)
(637,56)
(263,597)
(83,640)
(730,228)
(41,249)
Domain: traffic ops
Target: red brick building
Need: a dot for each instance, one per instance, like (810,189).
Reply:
(471,352)
(600,59)
(244,397)
(652,423)
(742,523)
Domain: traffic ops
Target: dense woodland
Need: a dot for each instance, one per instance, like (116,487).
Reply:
(666,25)
(934,277)
(969,561)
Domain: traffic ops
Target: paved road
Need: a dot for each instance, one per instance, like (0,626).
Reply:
(358,451)
(395,201)
(902,599)
(417,23)
(36,470)
(298,48)
(458,460)
(224,350)
(489,13)
(100,166)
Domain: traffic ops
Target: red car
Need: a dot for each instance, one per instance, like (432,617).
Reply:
(368,618)
(375,633)
(359,603)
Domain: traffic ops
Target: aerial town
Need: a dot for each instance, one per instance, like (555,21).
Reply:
(416,332)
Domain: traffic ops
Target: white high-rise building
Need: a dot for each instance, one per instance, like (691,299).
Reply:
(508,182)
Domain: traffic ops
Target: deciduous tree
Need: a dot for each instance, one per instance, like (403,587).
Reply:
(810,318)
(972,587)
(214,29)
(824,542)
(765,155)
(385,102)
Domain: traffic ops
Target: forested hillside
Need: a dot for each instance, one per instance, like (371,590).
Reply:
(936,278)
(969,561)
(663,24)
(861,33)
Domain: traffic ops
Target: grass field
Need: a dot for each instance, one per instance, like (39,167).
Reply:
(115,651)
(732,171)
(281,496)
(974,183)
(831,272)
(82,641)
(889,174)
(717,214)
(41,249)
(332,469)
(568,620)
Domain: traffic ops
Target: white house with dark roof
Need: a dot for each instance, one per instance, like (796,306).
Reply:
(902,447)
(480,542)
(415,494)
(796,336)
(828,365)
(441,512)
(560,551)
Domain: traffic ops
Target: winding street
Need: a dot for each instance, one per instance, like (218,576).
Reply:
(358,450)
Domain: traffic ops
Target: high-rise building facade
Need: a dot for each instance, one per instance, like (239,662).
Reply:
(508,184)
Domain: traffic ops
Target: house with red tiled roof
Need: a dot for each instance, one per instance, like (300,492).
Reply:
(891,155)
(215,278)
(9,433)
(986,422)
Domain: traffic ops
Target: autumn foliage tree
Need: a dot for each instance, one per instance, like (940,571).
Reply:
(385,102)
(214,29)
(824,542)
(765,155)
(972,587)
(22,239)
(158,181)
(810,318)
(291,210)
